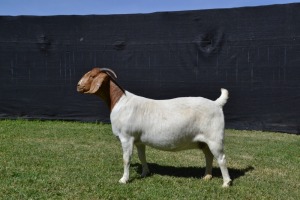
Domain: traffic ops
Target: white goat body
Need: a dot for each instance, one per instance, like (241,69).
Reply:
(171,125)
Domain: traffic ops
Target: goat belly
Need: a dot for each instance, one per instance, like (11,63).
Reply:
(163,142)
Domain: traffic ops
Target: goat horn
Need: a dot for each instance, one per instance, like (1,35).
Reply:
(111,72)
(113,75)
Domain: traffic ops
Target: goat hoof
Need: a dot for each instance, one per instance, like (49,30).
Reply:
(227,184)
(207,177)
(123,181)
(144,174)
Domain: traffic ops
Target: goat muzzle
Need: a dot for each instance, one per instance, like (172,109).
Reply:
(80,89)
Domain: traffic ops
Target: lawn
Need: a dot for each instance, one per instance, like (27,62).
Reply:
(73,160)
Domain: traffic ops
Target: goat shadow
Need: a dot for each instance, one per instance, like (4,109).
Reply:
(190,172)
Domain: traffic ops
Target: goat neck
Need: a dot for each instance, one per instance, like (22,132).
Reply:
(110,93)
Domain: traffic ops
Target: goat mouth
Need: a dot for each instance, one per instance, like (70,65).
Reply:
(80,90)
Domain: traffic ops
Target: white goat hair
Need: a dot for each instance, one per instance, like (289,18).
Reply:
(170,125)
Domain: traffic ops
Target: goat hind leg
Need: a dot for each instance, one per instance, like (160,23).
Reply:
(209,160)
(217,150)
(226,178)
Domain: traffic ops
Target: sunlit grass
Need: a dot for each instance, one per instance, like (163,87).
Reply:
(72,160)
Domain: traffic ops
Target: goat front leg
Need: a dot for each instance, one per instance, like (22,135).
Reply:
(142,156)
(127,145)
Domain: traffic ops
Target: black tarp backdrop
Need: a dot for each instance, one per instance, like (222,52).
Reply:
(253,52)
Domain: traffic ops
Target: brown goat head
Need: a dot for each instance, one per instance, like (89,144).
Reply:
(92,80)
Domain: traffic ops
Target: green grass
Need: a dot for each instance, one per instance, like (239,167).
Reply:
(71,160)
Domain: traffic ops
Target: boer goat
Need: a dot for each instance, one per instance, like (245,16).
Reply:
(171,125)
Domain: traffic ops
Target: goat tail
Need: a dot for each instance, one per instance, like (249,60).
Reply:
(221,101)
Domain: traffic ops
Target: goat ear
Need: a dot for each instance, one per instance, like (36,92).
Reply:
(96,84)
